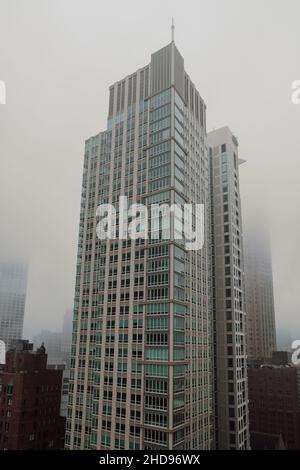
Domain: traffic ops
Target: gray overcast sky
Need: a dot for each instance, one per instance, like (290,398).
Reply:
(58,58)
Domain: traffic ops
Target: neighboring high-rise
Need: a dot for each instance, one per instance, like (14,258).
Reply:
(261,331)
(274,402)
(231,408)
(30,396)
(142,353)
(13,284)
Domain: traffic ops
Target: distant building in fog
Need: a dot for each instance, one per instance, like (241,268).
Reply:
(53,344)
(58,346)
(13,284)
(57,343)
(30,396)
(261,331)
(285,339)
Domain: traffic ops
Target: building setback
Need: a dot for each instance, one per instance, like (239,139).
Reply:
(231,394)
(30,397)
(274,402)
(142,360)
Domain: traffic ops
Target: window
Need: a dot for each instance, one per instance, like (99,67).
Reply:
(157,323)
(156,370)
(179,266)
(157,354)
(157,309)
(179,309)
(160,99)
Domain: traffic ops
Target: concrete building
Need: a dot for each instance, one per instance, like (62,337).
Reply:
(274,402)
(231,406)
(142,359)
(30,397)
(261,331)
(13,284)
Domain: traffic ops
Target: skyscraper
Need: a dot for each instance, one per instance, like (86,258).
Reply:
(142,361)
(13,284)
(231,406)
(261,331)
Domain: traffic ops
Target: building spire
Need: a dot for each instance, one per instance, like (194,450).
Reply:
(173,29)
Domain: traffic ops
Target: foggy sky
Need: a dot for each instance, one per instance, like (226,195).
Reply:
(58,58)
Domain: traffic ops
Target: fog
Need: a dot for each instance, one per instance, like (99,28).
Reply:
(58,59)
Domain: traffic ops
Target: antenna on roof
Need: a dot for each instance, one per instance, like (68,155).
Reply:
(173,29)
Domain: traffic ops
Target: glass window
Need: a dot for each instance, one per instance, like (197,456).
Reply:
(157,309)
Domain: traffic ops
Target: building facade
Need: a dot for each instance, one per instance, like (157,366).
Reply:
(261,330)
(30,396)
(64,386)
(231,404)
(274,402)
(13,284)
(67,337)
(142,348)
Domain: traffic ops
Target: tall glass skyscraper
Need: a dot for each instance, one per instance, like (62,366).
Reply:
(142,348)
(13,284)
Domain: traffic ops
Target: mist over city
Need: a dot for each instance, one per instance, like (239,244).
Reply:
(58,61)
(58,64)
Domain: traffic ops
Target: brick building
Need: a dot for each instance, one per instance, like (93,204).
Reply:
(30,397)
(274,402)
